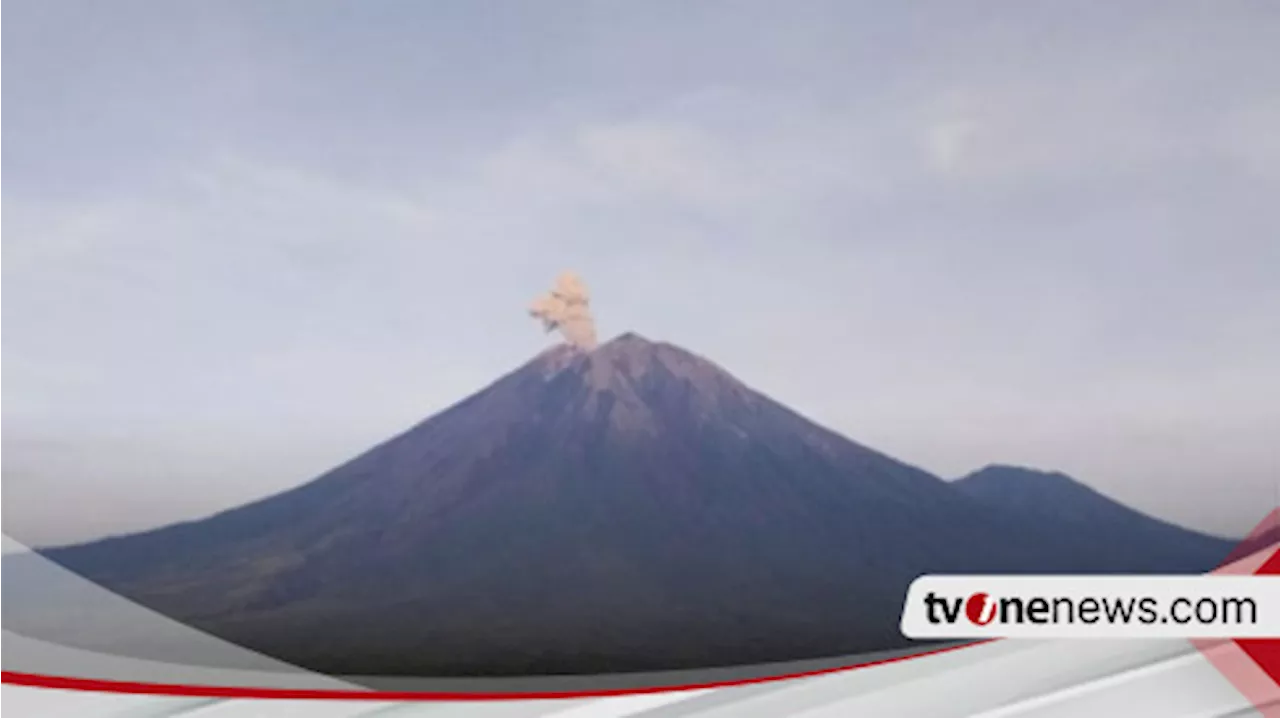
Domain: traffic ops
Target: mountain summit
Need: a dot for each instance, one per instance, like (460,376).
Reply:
(632,507)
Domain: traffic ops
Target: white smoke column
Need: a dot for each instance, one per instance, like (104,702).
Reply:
(566,307)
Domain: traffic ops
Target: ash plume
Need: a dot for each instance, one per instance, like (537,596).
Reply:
(566,307)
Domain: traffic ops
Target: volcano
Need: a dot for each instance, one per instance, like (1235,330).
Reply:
(630,508)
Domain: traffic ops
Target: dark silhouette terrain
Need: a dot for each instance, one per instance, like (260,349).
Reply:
(632,508)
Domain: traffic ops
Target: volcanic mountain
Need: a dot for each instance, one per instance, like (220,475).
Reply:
(630,508)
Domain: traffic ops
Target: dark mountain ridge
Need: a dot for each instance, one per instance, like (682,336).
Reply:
(631,508)
(1067,508)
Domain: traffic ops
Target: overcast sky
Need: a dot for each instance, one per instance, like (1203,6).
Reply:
(244,241)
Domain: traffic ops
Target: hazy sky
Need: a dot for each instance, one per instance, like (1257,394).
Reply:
(244,241)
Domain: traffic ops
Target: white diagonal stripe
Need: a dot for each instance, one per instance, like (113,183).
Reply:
(619,706)
(1099,684)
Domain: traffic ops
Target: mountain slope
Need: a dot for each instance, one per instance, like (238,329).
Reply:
(632,508)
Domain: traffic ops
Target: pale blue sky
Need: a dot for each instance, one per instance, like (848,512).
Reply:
(243,241)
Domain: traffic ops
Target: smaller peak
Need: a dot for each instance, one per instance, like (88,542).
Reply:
(1011,472)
